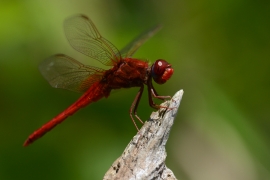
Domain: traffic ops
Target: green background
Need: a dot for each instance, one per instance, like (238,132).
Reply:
(220,51)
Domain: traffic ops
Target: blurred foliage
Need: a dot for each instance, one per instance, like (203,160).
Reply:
(220,51)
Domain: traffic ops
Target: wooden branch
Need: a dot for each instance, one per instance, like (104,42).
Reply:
(144,157)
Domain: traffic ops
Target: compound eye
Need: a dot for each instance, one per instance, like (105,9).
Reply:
(159,67)
(161,71)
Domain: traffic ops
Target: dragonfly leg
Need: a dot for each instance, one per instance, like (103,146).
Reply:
(134,106)
(153,93)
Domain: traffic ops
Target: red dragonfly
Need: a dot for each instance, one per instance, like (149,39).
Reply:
(62,71)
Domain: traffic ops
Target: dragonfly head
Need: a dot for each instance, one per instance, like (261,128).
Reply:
(161,71)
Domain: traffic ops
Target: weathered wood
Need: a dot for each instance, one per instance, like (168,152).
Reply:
(144,157)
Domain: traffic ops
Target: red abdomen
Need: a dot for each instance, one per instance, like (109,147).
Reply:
(94,93)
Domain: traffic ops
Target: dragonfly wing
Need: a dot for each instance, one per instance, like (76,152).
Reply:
(64,72)
(83,36)
(134,45)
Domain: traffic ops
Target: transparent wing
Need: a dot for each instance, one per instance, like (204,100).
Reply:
(83,36)
(134,45)
(64,72)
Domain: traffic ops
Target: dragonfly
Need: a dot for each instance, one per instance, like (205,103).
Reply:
(62,71)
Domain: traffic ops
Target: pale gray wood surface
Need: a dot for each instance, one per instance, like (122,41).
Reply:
(145,155)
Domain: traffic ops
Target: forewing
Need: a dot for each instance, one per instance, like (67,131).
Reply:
(134,45)
(83,36)
(64,72)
